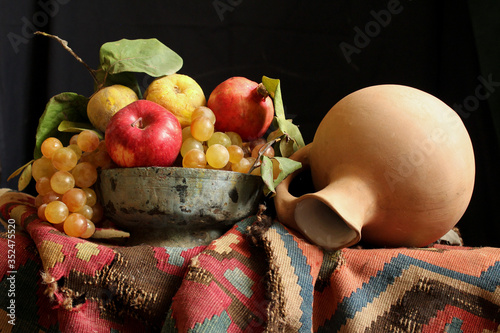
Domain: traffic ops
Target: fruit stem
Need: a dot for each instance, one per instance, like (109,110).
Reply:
(261,89)
(137,123)
(67,48)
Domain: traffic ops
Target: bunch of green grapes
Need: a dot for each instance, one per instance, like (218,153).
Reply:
(202,147)
(64,178)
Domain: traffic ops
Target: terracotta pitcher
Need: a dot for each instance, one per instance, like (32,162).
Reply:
(391,164)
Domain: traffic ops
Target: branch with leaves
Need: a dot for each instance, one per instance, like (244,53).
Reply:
(288,139)
(66,113)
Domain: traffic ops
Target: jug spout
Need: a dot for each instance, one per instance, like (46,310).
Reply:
(335,216)
(331,217)
(320,223)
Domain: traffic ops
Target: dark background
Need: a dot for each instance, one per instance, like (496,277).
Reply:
(443,47)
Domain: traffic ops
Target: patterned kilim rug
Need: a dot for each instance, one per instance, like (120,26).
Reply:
(258,277)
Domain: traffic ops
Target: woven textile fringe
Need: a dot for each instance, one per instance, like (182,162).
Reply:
(292,264)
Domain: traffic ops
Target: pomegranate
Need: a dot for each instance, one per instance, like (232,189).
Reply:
(243,106)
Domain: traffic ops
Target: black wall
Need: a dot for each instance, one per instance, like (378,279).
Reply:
(321,51)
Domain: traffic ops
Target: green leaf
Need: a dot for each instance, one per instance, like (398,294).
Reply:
(285,125)
(25,178)
(19,170)
(286,147)
(148,56)
(286,166)
(76,127)
(65,106)
(293,133)
(273,87)
(287,134)
(266,172)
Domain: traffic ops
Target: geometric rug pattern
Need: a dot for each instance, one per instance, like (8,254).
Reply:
(258,277)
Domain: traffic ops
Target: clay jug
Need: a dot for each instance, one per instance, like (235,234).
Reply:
(391,164)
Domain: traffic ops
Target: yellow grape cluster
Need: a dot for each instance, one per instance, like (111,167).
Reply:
(203,147)
(64,178)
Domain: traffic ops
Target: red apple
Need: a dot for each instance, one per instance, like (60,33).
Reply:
(143,133)
(243,106)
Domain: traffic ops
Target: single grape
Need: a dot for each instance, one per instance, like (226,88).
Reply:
(42,185)
(64,159)
(202,128)
(227,167)
(194,159)
(39,200)
(75,199)
(235,153)
(75,225)
(91,196)
(56,212)
(62,181)
(73,140)
(203,111)
(186,133)
(76,149)
(217,156)
(256,142)
(88,157)
(42,167)
(102,145)
(85,174)
(49,146)
(87,140)
(246,149)
(102,160)
(41,212)
(98,157)
(253,160)
(190,143)
(86,211)
(235,138)
(51,196)
(219,138)
(90,230)
(269,152)
(242,166)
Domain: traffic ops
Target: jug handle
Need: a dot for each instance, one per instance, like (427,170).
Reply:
(284,201)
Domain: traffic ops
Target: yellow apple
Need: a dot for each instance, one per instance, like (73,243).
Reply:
(106,102)
(178,93)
